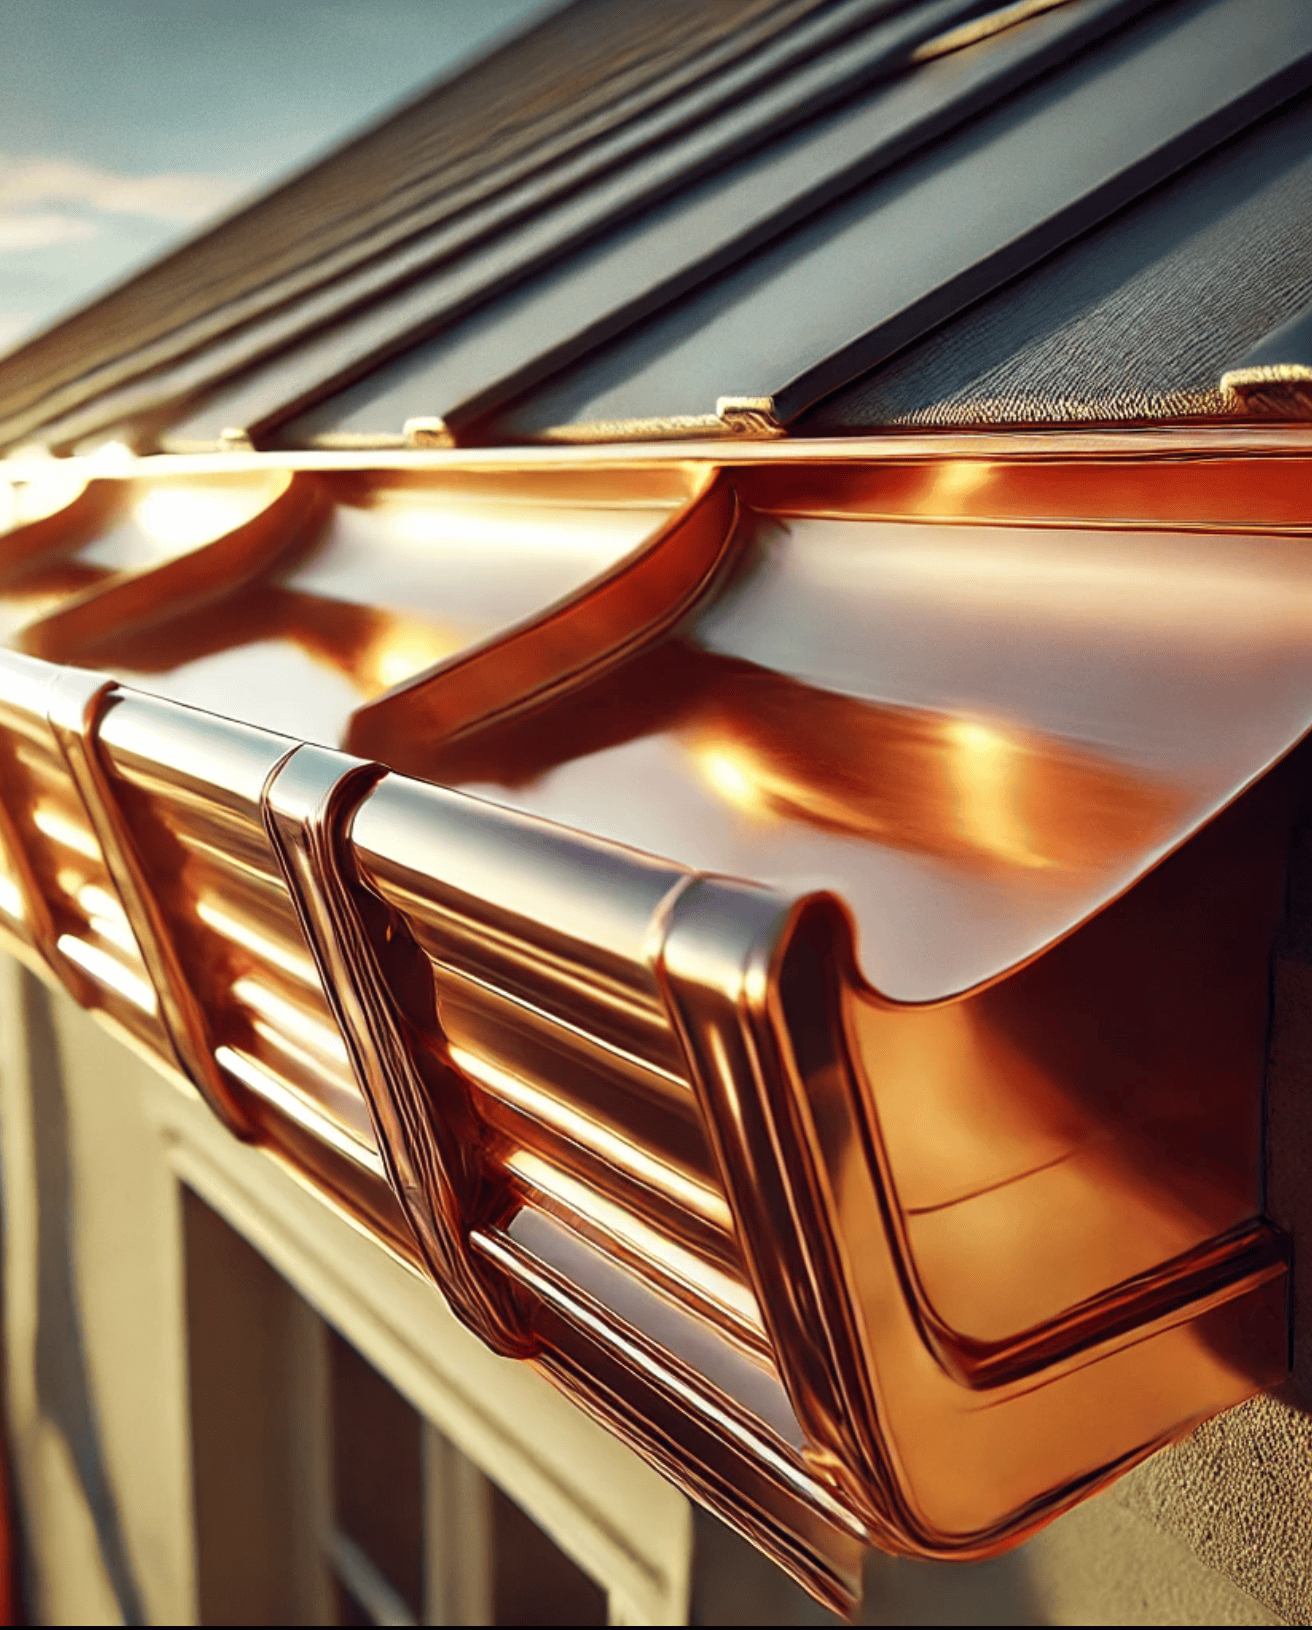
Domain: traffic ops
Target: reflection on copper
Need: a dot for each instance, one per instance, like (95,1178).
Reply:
(375,648)
(105,916)
(12,903)
(246,934)
(180,515)
(728,1295)
(400,649)
(289,1020)
(966,790)
(660,1175)
(209,540)
(106,969)
(961,788)
(46,489)
(50,820)
(1208,494)
(40,548)
(852,1270)
(627,608)
(956,486)
(268,1086)
(113,458)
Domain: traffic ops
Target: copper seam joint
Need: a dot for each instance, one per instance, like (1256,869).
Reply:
(717,965)
(418,1102)
(753,416)
(75,703)
(427,432)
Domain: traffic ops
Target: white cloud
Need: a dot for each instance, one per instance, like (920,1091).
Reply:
(42,228)
(29,183)
(50,201)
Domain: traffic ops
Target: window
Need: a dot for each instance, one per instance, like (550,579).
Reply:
(321,1495)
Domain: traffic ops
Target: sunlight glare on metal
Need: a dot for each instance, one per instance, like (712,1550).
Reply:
(109,971)
(112,458)
(298,1108)
(39,494)
(729,773)
(186,516)
(107,917)
(402,650)
(620,1151)
(644,1241)
(320,1037)
(956,480)
(603,533)
(241,933)
(985,765)
(59,829)
(11,900)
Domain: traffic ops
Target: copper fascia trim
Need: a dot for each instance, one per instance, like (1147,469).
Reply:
(652,1127)
(115,460)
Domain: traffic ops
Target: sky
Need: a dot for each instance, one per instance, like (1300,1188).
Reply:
(126,125)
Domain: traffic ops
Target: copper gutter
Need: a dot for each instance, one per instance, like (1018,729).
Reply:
(885,1163)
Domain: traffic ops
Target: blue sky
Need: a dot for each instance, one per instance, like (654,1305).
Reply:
(126,124)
